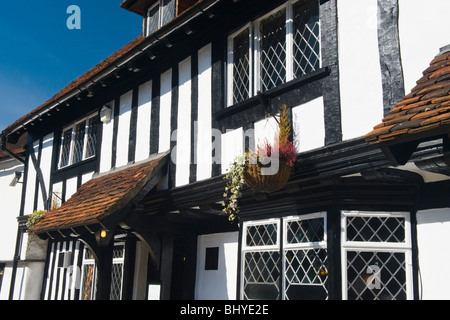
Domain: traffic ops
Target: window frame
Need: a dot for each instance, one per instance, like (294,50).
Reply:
(281,246)
(255,51)
(71,155)
(160,6)
(404,247)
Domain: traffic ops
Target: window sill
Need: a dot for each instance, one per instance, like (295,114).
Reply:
(77,165)
(253,101)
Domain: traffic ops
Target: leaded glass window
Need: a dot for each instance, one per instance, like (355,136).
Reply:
(285,258)
(241,66)
(79,142)
(273,50)
(306,37)
(160,14)
(376,256)
(276,48)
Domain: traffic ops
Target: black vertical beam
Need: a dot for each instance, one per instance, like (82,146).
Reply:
(115,131)
(128,268)
(194,117)
(334,254)
(240,262)
(173,124)
(390,55)
(104,271)
(330,58)
(415,257)
(218,95)
(133,126)
(166,265)
(154,125)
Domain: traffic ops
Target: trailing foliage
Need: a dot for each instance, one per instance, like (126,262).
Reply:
(235,182)
(35,217)
(282,148)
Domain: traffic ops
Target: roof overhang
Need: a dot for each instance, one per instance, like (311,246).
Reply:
(102,202)
(137,6)
(422,116)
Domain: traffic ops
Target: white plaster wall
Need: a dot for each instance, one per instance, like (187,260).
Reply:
(232,146)
(106,144)
(265,130)
(71,187)
(144,113)
(204,131)
(31,182)
(433,237)
(123,132)
(165,111)
(10,198)
(308,125)
(45,165)
(217,284)
(359,67)
(424,28)
(183,143)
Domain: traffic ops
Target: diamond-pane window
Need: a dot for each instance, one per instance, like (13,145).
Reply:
(280,46)
(262,235)
(261,275)
(299,271)
(305,231)
(377,248)
(376,229)
(241,66)
(306,37)
(65,148)
(376,275)
(79,142)
(153,19)
(168,9)
(273,50)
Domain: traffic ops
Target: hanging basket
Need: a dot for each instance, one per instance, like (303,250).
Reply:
(266,183)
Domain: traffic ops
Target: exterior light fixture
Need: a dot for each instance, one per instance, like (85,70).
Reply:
(15,181)
(103,234)
(105,114)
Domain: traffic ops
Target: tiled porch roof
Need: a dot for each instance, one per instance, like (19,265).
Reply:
(101,197)
(425,111)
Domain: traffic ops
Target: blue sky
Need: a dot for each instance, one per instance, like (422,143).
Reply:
(39,55)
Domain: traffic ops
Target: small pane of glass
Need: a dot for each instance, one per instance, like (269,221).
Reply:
(376,229)
(273,50)
(305,231)
(65,148)
(168,11)
(306,274)
(262,235)
(87,292)
(153,19)
(78,143)
(241,66)
(306,37)
(261,275)
(91,143)
(376,275)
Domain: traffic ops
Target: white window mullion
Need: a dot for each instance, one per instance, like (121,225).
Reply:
(257,58)
(85,140)
(230,71)
(289,42)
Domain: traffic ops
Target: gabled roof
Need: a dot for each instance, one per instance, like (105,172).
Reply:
(423,112)
(104,196)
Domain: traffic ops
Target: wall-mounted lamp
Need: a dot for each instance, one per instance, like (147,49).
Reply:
(103,237)
(105,114)
(15,181)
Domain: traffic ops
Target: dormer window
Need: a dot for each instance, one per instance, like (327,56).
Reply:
(162,12)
